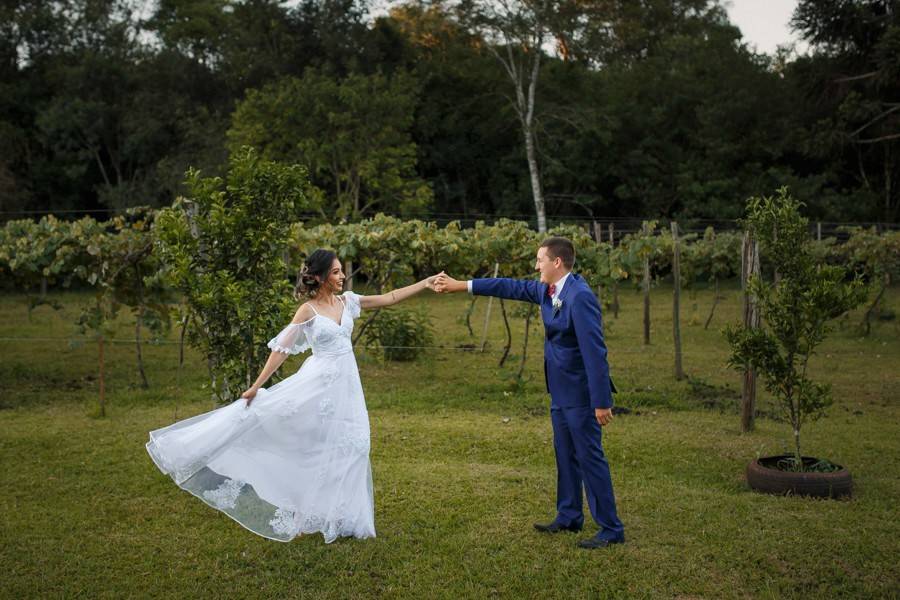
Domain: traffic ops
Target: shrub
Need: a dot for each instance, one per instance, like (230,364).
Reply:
(401,333)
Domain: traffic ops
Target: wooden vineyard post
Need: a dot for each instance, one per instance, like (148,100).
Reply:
(615,285)
(598,238)
(101,378)
(676,300)
(749,269)
(646,286)
(487,314)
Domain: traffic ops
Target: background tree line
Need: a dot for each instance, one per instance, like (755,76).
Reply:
(452,109)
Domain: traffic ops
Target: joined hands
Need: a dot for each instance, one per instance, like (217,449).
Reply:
(444,284)
(430,281)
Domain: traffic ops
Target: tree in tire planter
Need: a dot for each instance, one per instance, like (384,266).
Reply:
(795,308)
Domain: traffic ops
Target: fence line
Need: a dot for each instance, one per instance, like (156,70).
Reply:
(472,348)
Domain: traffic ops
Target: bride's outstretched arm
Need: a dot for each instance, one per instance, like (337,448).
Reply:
(396,296)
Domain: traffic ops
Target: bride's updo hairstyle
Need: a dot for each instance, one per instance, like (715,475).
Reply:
(313,273)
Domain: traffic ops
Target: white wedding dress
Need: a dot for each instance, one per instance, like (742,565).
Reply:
(297,460)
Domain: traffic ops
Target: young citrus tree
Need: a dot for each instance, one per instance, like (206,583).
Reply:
(225,246)
(795,308)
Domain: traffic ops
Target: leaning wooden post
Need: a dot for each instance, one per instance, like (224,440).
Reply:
(615,285)
(749,269)
(598,238)
(102,379)
(819,231)
(487,315)
(348,273)
(676,300)
(646,285)
(775,241)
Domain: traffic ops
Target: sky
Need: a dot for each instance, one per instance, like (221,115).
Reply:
(764,23)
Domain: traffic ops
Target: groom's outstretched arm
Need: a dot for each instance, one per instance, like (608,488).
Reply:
(586,319)
(513,289)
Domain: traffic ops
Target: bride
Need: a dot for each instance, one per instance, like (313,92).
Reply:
(292,458)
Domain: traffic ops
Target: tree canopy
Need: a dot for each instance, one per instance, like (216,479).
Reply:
(651,109)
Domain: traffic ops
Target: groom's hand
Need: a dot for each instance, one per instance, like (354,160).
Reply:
(431,281)
(446,284)
(604,415)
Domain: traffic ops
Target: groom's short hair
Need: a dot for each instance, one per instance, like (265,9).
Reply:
(561,248)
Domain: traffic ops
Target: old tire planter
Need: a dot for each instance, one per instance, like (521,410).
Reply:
(764,476)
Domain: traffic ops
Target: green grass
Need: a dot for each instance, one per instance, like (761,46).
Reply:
(463,464)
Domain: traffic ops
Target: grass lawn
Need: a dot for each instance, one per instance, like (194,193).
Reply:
(463,465)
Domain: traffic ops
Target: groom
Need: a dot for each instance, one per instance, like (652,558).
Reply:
(577,377)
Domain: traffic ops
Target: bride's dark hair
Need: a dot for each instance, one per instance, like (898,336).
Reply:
(317,265)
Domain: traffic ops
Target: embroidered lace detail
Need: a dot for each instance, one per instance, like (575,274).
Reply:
(354,441)
(285,522)
(332,531)
(226,495)
(326,408)
(182,474)
(288,406)
(290,523)
(321,475)
(338,525)
(282,349)
(330,373)
(313,522)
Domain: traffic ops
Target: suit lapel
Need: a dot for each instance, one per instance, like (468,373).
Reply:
(571,282)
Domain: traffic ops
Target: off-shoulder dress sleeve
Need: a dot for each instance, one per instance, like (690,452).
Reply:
(292,339)
(352,301)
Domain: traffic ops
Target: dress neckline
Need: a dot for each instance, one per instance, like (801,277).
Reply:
(343,310)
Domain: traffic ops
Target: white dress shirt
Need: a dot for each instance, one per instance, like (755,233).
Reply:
(559,286)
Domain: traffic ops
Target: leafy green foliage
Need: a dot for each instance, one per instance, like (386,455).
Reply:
(225,244)
(876,258)
(796,309)
(230,240)
(713,256)
(852,126)
(32,254)
(403,334)
(351,134)
(103,104)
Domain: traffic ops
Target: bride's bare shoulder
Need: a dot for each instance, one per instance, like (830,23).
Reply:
(304,313)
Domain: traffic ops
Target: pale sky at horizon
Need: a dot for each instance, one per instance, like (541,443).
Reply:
(764,23)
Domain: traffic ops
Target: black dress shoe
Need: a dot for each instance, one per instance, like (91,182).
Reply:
(600,542)
(555,527)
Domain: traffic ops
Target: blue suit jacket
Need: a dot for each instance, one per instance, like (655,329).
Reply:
(575,367)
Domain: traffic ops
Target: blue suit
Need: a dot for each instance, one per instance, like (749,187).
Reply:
(577,378)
